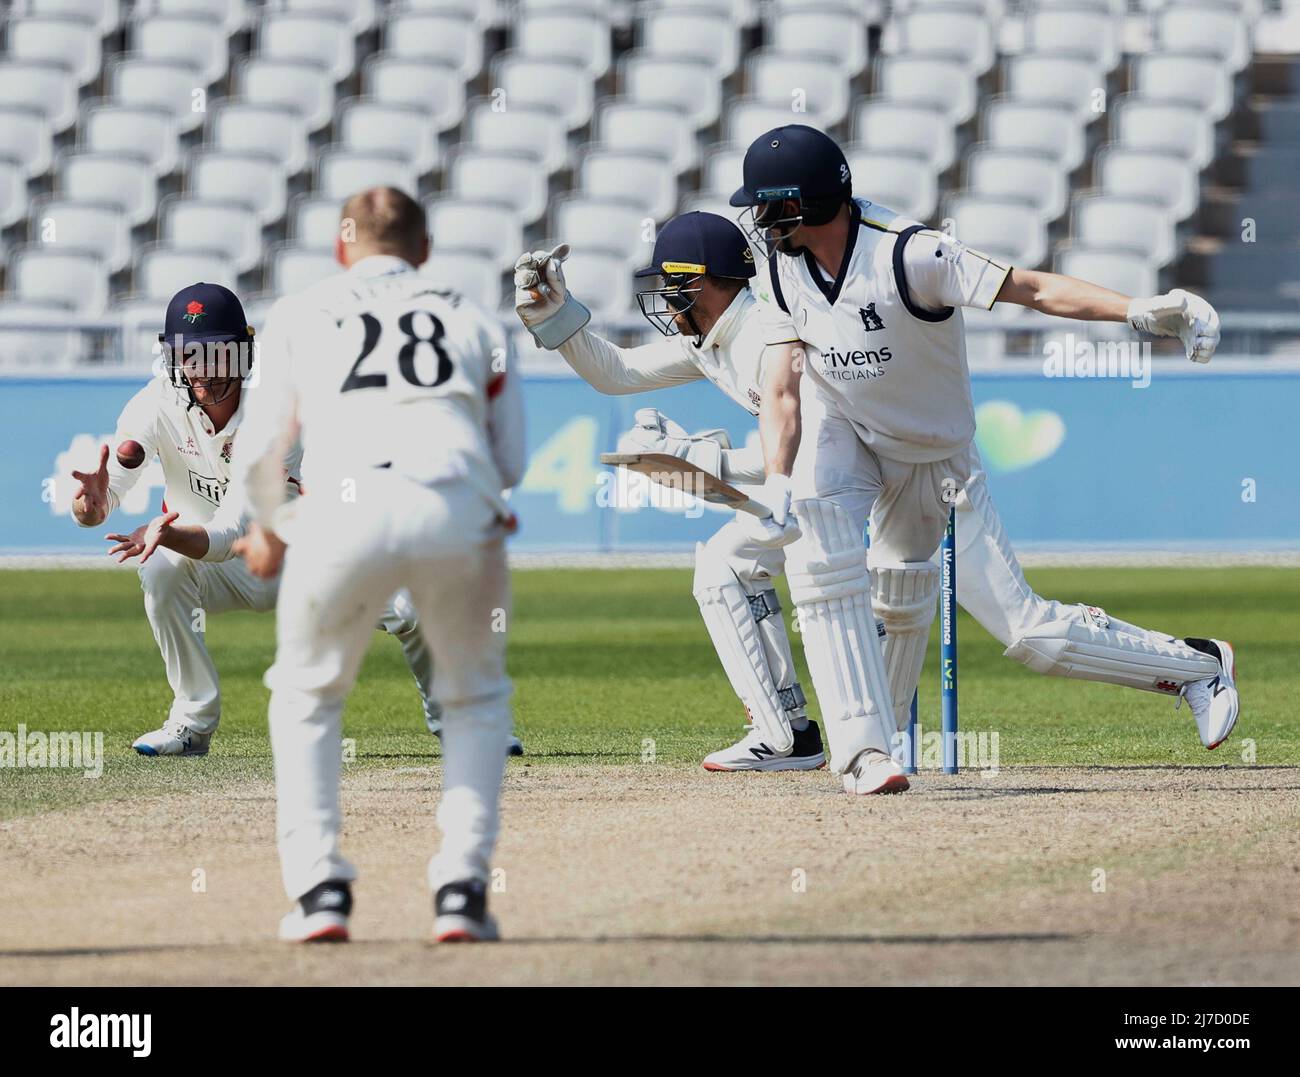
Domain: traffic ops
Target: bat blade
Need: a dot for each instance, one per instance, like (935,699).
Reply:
(677,474)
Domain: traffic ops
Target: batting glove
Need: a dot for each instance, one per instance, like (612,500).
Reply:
(780,528)
(542,299)
(655,432)
(1179,314)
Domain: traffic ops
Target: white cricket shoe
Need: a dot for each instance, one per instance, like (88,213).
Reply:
(752,752)
(1214,700)
(320,915)
(874,772)
(174,738)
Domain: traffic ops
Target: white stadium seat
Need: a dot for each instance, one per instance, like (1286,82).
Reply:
(253,179)
(1034,178)
(1004,229)
(1117,223)
(468,273)
(1167,179)
(927,80)
(200,224)
(883,125)
(645,180)
(489,228)
(25,137)
(961,33)
(99,227)
(436,89)
(1057,78)
(313,37)
(1161,125)
(683,34)
(1122,271)
(602,280)
(521,129)
(747,119)
(510,178)
(341,172)
(293,268)
(1019,125)
(1195,78)
(72,42)
(438,36)
(195,41)
(840,33)
(1207,28)
(359,13)
(315,221)
(105,14)
(65,275)
(161,271)
(122,179)
(648,128)
(243,127)
(400,130)
(176,87)
(40,350)
(805,82)
(304,87)
(43,85)
(571,35)
(231,15)
(560,85)
(137,130)
(1091,32)
(604,224)
(662,80)
(905,182)
(13,192)
(723,170)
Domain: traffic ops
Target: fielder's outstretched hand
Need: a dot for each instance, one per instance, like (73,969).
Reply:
(262,551)
(1179,314)
(90,502)
(539,284)
(143,540)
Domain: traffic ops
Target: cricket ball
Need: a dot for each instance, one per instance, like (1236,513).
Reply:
(130,454)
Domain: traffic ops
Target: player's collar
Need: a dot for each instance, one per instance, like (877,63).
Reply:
(831,289)
(380,265)
(729,321)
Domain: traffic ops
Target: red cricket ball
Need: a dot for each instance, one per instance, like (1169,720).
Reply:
(130,454)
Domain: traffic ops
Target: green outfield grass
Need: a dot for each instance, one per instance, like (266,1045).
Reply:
(606,661)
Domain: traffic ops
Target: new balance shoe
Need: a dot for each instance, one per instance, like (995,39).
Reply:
(1214,700)
(874,772)
(174,738)
(460,913)
(752,752)
(320,915)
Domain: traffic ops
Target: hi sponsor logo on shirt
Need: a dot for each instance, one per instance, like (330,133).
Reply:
(120,1030)
(1068,356)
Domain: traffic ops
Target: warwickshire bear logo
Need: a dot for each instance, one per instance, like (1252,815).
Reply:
(871,321)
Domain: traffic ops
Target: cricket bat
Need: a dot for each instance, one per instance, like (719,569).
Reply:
(678,474)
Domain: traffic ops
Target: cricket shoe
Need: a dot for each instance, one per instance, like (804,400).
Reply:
(174,738)
(1214,700)
(320,915)
(874,772)
(460,913)
(754,753)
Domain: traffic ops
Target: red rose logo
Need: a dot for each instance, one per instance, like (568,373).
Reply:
(194,311)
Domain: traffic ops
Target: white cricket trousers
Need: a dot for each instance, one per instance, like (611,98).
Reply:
(443,543)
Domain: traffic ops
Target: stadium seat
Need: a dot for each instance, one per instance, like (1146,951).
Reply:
(687,85)
(252,179)
(161,84)
(602,280)
(560,85)
(1122,271)
(644,180)
(231,15)
(1167,179)
(38,349)
(400,130)
(72,42)
(43,85)
(294,84)
(314,221)
(436,89)
(657,129)
(839,32)
(161,272)
(489,228)
(886,126)
(510,178)
(684,34)
(1090,31)
(187,224)
(98,227)
(468,273)
(723,170)
(243,127)
(293,269)
(604,224)
(572,35)
(25,137)
(13,192)
(1141,124)
(804,81)
(1003,228)
(521,129)
(311,37)
(928,80)
(1035,178)
(445,38)
(359,13)
(1056,78)
(198,42)
(904,182)
(1052,129)
(950,31)
(105,14)
(341,172)
(1206,28)
(1196,79)
(1117,223)
(122,179)
(747,119)
(135,130)
(66,275)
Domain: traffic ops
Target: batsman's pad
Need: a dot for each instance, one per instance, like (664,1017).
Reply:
(749,635)
(1089,649)
(903,596)
(827,570)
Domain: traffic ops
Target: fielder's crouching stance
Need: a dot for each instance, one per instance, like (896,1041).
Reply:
(402,393)
(706,264)
(189,420)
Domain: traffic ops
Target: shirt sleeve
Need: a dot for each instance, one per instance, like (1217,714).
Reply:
(772,310)
(505,408)
(615,371)
(942,272)
(138,422)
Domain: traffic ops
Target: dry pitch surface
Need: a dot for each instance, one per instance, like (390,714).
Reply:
(667,875)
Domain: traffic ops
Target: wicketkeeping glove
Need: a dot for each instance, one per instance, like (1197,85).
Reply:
(542,299)
(1179,314)
(655,432)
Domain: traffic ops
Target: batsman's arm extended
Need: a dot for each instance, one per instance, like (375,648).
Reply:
(1064,297)
(778,415)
